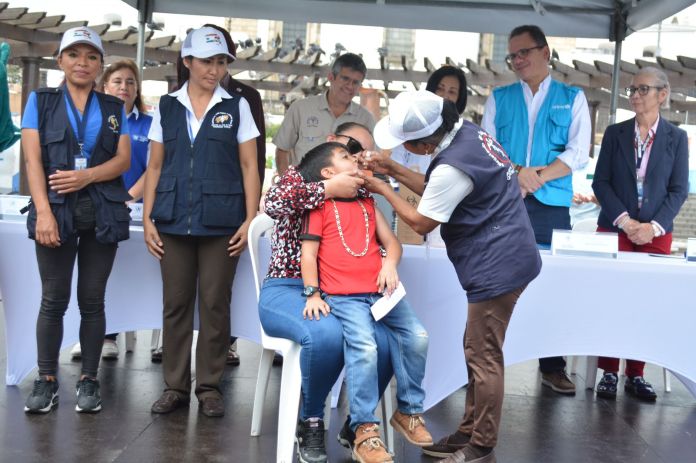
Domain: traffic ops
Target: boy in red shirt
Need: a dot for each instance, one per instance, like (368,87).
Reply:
(344,273)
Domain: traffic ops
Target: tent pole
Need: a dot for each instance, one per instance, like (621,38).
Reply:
(614,97)
(144,15)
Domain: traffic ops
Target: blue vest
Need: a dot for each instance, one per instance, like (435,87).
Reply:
(200,190)
(550,133)
(489,238)
(58,149)
(139,128)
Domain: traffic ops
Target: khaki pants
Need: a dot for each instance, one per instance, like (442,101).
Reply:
(483,347)
(196,265)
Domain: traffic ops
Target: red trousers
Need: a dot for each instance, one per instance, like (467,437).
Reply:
(659,245)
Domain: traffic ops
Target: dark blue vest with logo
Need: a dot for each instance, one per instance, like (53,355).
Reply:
(200,190)
(58,149)
(489,238)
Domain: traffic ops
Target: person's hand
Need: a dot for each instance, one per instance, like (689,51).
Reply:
(239,240)
(630,226)
(69,181)
(343,185)
(376,185)
(46,232)
(580,198)
(377,162)
(314,307)
(529,180)
(388,279)
(154,243)
(642,234)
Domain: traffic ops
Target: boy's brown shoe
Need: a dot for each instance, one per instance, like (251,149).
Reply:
(368,447)
(412,427)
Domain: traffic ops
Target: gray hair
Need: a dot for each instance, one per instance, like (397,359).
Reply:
(660,80)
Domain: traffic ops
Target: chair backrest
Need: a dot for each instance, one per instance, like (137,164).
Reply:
(585,225)
(258,227)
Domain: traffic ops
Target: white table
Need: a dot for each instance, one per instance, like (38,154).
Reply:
(637,306)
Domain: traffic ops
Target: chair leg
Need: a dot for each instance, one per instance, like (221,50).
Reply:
(290,385)
(387,412)
(261,386)
(130,341)
(574,365)
(156,339)
(667,380)
(591,372)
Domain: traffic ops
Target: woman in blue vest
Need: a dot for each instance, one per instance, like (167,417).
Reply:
(471,190)
(201,193)
(76,146)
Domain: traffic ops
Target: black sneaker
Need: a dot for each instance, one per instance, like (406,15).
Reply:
(346,436)
(43,397)
(606,389)
(88,398)
(640,388)
(310,441)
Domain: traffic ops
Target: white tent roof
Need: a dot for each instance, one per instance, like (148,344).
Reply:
(565,18)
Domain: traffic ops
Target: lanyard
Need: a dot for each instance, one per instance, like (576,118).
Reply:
(642,146)
(81,123)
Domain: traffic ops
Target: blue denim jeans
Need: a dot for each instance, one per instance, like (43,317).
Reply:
(321,359)
(408,345)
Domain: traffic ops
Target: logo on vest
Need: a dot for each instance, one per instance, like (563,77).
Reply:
(493,149)
(112,122)
(222,121)
(561,106)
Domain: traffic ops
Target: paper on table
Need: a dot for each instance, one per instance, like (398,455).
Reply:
(384,305)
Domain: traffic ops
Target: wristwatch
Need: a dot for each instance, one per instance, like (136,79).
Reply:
(309,290)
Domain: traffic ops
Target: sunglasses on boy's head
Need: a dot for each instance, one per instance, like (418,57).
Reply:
(353,145)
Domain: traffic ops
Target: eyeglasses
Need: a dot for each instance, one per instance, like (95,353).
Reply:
(521,53)
(641,89)
(353,145)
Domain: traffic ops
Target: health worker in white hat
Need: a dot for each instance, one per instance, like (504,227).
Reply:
(76,146)
(201,193)
(470,190)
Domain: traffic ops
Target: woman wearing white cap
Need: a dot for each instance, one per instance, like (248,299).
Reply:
(76,147)
(201,193)
(471,190)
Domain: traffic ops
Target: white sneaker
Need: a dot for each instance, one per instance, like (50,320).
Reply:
(110,349)
(76,352)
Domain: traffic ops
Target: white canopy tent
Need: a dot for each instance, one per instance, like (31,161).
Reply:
(612,19)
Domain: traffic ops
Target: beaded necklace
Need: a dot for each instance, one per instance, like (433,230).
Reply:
(340,230)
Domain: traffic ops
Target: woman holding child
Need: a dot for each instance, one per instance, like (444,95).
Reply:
(471,189)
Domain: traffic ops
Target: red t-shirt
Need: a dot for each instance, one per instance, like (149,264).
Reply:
(339,271)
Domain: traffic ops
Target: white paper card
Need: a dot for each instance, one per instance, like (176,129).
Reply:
(691,250)
(579,243)
(385,303)
(136,212)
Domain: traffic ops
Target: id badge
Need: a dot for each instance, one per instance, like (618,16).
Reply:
(639,188)
(80,162)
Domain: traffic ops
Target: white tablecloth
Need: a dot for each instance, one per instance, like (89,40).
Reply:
(637,306)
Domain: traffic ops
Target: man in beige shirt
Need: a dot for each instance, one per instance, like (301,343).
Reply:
(309,121)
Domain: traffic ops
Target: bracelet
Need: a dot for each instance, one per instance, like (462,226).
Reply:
(517,168)
(656,230)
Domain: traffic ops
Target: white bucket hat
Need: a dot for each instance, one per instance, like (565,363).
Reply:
(412,115)
(204,43)
(82,34)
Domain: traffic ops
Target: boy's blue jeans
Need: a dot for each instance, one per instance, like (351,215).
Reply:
(408,346)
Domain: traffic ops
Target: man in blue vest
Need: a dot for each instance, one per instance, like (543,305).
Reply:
(544,126)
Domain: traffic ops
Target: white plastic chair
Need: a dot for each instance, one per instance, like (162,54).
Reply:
(291,375)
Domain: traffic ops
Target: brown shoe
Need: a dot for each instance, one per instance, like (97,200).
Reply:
(559,382)
(470,454)
(212,406)
(232,355)
(168,402)
(447,445)
(412,427)
(368,447)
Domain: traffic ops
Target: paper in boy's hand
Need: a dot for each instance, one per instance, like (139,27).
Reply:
(384,305)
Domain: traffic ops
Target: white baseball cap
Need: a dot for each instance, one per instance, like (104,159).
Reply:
(412,115)
(204,43)
(82,34)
